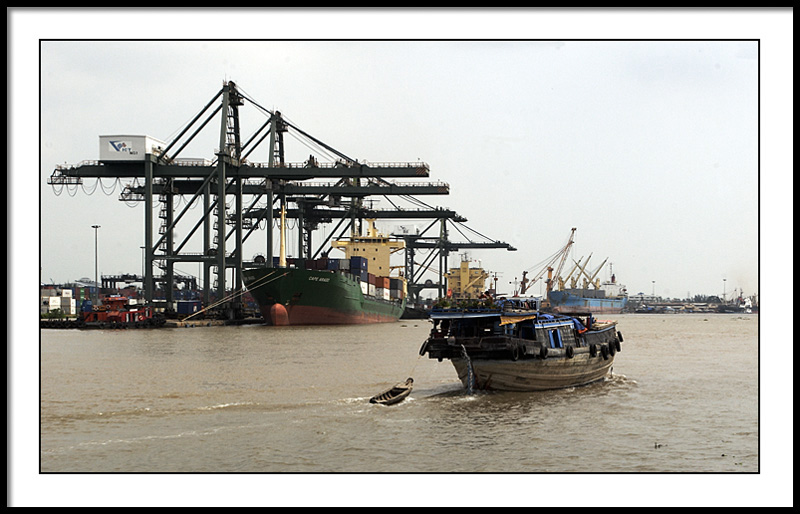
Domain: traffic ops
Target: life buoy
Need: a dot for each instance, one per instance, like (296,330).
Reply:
(593,350)
(570,352)
(141,318)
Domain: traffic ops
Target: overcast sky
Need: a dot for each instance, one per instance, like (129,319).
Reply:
(649,148)
(662,153)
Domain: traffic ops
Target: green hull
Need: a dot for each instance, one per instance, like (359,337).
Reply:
(316,297)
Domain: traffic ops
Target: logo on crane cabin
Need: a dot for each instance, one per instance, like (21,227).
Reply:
(120,146)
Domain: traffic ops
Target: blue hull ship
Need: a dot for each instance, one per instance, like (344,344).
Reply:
(585,300)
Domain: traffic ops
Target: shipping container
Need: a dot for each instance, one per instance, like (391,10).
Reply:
(69,308)
(371,279)
(364,288)
(128,148)
(332,265)
(188,307)
(358,263)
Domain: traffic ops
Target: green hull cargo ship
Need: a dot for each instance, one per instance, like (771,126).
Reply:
(328,291)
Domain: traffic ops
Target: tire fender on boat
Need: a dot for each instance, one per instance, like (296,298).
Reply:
(611,349)
(515,353)
(604,351)
(543,352)
(593,350)
(619,336)
(617,345)
(570,351)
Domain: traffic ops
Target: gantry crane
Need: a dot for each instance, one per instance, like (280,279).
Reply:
(161,175)
(231,175)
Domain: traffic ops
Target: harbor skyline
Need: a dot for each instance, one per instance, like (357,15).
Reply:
(651,145)
(650,149)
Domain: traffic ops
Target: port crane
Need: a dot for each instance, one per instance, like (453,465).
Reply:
(221,185)
(559,257)
(591,278)
(229,178)
(572,280)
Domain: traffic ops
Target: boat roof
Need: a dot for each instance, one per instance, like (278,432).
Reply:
(509,316)
(516,315)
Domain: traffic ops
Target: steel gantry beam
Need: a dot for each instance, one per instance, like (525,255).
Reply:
(187,187)
(312,214)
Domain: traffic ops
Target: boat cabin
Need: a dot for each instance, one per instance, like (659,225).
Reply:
(514,333)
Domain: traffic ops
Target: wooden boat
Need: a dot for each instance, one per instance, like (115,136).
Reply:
(519,349)
(395,394)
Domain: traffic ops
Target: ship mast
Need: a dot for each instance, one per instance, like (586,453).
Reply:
(282,255)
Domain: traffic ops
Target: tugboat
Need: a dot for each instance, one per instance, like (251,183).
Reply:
(510,346)
(114,312)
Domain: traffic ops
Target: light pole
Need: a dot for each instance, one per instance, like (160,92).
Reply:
(96,284)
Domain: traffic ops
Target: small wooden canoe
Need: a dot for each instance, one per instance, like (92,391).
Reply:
(395,394)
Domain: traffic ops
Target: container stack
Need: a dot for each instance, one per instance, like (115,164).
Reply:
(52,300)
(396,289)
(358,267)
